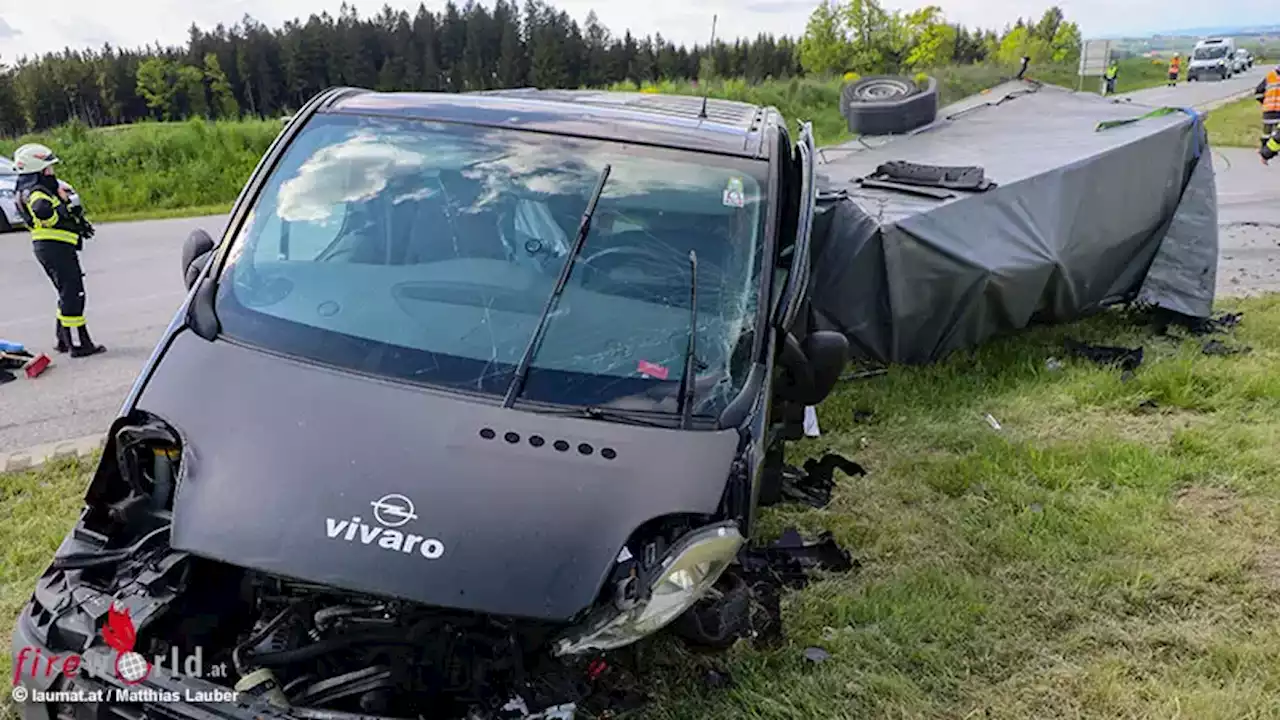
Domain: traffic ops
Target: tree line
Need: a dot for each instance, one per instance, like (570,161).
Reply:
(250,69)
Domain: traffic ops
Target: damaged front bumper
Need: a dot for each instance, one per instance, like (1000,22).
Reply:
(85,695)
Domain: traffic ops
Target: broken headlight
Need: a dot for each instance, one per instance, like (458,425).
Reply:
(686,573)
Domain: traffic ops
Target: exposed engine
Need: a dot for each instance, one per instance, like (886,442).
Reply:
(311,646)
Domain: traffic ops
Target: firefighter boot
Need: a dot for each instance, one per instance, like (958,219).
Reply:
(63,334)
(86,346)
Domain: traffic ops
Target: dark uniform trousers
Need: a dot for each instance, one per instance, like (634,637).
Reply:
(61,262)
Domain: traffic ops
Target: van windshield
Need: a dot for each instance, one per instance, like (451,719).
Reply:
(1210,52)
(425,252)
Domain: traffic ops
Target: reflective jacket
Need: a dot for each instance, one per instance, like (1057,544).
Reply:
(1268,92)
(1175,65)
(1112,72)
(45,213)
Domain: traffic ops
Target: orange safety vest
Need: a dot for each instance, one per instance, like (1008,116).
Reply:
(1175,65)
(1271,100)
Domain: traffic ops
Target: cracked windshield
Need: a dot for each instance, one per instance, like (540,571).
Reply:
(426,252)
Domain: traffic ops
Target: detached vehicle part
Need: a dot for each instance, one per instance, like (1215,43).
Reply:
(470,390)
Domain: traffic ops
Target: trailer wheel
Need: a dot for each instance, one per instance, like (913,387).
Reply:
(888,105)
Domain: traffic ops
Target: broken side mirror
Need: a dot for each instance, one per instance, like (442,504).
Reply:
(196,252)
(814,366)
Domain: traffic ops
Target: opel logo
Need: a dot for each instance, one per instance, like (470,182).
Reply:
(393,510)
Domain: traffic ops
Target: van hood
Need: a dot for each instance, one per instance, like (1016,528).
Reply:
(379,487)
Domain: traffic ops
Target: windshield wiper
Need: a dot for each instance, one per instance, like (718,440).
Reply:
(689,368)
(648,418)
(584,227)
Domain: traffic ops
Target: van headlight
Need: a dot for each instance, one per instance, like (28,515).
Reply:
(688,571)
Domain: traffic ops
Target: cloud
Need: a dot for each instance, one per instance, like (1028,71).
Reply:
(7,30)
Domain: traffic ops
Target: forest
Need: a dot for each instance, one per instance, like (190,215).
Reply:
(250,70)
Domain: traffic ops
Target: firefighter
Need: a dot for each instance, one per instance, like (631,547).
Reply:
(1175,69)
(1270,146)
(57,234)
(1268,94)
(1113,72)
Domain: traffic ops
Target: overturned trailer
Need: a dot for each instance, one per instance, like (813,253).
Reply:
(1025,204)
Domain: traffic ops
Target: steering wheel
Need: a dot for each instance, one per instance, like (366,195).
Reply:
(652,262)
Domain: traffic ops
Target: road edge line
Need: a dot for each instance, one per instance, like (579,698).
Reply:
(37,455)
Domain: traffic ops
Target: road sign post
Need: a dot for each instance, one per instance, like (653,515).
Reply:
(1094,57)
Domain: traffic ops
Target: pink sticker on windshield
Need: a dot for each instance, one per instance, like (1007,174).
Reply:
(653,370)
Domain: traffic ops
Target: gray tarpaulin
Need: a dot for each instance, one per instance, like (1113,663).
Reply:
(1080,218)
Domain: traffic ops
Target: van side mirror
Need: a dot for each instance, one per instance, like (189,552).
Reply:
(196,252)
(814,366)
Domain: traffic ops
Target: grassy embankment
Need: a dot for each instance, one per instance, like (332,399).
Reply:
(1236,125)
(157,169)
(191,168)
(1113,551)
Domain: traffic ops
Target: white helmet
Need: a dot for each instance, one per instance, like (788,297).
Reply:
(33,158)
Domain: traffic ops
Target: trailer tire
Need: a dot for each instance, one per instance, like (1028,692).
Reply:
(888,105)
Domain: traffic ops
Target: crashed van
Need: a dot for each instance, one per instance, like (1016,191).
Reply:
(469,386)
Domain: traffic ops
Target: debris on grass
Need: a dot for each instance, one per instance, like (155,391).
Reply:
(993,422)
(785,564)
(1127,359)
(1219,348)
(816,655)
(814,484)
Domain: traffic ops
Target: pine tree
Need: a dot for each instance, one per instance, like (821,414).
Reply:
(224,102)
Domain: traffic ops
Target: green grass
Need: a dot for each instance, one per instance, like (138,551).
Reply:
(150,169)
(1112,552)
(37,508)
(1140,73)
(1238,124)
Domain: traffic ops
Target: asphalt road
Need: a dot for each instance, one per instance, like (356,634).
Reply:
(1200,93)
(134,285)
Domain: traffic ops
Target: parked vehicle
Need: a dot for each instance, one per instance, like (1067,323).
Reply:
(1212,57)
(1244,60)
(10,218)
(469,385)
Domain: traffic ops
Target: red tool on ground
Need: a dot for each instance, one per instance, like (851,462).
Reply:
(32,365)
(36,365)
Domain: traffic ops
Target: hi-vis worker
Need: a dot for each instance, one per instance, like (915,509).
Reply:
(56,234)
(1268,93)
(1113,72)
(1175,68)
(1270,147)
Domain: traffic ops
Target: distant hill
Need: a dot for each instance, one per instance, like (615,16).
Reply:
(1232,30)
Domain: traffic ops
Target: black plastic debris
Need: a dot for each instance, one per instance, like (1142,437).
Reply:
(1217,347)
(787,563)
(1149,405)
(814,484)
(717,679)
(1195,325)
(816,655)
(6,376)
(863,416)
(1127,359)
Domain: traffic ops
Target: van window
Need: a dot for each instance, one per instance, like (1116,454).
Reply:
(426,251)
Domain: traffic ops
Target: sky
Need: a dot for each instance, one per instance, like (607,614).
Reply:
(25,27)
